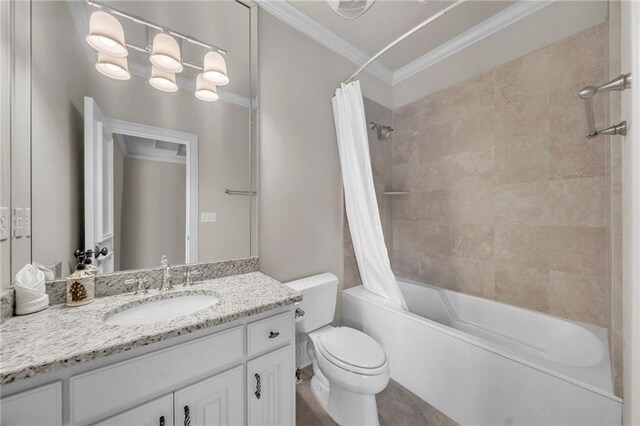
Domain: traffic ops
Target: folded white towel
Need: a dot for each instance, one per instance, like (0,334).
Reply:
(48,273)
(30,290)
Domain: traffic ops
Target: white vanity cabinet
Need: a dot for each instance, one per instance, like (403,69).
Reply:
(207,377)
(39,406)
(270,390)
(216,401)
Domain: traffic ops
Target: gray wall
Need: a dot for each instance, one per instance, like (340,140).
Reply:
(300,202)
(153,222)
(59,82)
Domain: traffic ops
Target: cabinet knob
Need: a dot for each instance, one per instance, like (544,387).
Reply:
(161,421)
(273,334)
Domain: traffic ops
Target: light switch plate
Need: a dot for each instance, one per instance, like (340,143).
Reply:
(18,226)
(27,223)
(4,223)
(207,217)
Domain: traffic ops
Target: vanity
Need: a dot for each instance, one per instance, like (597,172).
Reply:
(231,363)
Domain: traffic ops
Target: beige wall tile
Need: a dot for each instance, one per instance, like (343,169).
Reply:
(434,237)
(473,132)
(578,59)
(434,205)
(579,297)
(435,141)
(406,264)
(523,77)
(526,160)
(525,203)
(404,235)
(473,202)
(437,270)
(472,276)
(518,244)
(472,240)
(580,250)
(522,286)
(573,155)
(579,202)
(525,119)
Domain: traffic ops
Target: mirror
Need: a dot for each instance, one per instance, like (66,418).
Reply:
(141,166)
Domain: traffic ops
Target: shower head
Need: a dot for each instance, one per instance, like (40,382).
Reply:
(383,131)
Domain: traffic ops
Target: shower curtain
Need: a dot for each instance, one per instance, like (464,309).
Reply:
(360,196)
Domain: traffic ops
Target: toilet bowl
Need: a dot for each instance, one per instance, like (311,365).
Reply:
(349,367)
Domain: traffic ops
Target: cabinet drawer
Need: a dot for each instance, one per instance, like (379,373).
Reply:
(269,333)
(39,406)
(109,390)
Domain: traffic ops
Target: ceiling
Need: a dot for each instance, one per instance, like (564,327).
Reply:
(150,149)
(386,20)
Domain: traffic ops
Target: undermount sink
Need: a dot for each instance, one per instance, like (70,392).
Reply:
(162,310)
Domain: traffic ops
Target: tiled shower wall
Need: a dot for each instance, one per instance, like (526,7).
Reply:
(508,200)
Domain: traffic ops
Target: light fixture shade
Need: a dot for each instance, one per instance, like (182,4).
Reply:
(166,53)
(205,90)
(106,35)
(163,80)
(215,69)
(113,67)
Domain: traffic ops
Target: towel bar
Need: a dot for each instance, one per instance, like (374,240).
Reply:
(621,83)
(234,192)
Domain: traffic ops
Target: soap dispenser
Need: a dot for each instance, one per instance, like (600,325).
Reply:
(81,283)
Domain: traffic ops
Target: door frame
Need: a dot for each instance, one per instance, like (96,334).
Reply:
(129,128)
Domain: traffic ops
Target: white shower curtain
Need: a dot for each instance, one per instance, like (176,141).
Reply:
(360,196)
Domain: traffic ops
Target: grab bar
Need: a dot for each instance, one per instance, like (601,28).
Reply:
(618,84)
(234,192)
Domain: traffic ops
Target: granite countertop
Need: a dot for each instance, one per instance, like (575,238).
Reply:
(62,336)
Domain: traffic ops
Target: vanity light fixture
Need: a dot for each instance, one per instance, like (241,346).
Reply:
(205,90)
(215,69)
(113,67)
(166,53)
(106,34)
(162,80)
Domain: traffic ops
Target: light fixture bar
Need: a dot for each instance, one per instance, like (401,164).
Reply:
(148,52)
(146,23)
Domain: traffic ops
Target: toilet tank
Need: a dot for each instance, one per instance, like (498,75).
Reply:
(319,293)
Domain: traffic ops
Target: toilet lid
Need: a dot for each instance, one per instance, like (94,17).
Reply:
(352,347)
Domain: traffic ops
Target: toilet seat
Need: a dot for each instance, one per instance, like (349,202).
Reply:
(353,351)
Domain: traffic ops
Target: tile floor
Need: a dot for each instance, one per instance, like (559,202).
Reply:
(396,406)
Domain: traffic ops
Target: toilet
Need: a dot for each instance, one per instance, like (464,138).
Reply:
(349,367)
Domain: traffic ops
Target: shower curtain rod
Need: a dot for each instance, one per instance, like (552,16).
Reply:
(404,36)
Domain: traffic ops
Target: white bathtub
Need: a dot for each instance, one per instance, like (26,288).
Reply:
(484,362)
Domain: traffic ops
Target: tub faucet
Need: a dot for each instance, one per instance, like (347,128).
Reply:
(166,274)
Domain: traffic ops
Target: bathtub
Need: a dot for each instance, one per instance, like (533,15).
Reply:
(485,362)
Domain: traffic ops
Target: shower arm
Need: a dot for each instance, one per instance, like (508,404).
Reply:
(402,37)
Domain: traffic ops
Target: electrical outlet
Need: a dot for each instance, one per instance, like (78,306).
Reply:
(18,226)
(4,223)
(207,217)
(27,223)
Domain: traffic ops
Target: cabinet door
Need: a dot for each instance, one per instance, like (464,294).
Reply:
(270,389)
(158,412)
(39,406)
(214,401)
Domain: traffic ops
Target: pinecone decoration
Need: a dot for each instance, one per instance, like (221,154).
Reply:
(78,292)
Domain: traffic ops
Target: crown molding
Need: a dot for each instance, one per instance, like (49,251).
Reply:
(288,14)
(484,29)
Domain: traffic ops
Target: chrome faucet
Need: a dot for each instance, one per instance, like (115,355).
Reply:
(166,274)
